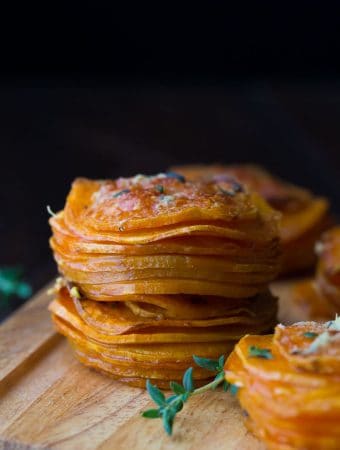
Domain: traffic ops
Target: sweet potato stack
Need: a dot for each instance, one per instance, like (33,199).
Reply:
(289,385)
(304,216)
(318,298)
(157,269)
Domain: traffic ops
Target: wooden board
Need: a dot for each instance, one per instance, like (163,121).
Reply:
(50,401)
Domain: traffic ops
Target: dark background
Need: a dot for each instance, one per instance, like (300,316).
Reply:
(103,91)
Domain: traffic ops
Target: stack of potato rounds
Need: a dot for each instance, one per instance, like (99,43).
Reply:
(289,385)
(157,269)
(319,298)
(328,271)
(304,216)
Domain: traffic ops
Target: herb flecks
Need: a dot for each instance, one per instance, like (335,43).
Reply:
(321,341)
(235,187)
(310,334)
(334,325)
(166,199)
(119,193)
(169,407)
(233,389)
(159,188)
(11,284)
(257,352)
(177,176)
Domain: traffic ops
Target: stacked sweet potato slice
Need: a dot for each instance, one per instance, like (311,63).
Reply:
(304,216)
(156,269)
(318,298)
(289,385)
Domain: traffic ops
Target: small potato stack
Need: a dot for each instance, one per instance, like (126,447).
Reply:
(157,269)
(318,298)
(304,216)
(289,385)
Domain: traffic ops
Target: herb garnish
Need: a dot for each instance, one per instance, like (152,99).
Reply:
(11,284)
(257,352)
(178,176)
(235,186)
(322,340)
(119,193)
(235,189)
(233,389)
(159,188)
(310,334)
(334,325)
(166,198)
(169,407)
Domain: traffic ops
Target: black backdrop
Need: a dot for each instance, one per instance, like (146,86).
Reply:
(102,91)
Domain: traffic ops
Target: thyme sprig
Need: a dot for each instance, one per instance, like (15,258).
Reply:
(11,284)
(310,334)
(170,406)
(257,352)
(119,193)
(176,175)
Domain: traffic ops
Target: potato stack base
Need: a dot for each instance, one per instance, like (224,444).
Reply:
(156,269)
(289,385)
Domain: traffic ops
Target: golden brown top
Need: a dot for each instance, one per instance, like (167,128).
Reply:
(279,194)
(310,346)
(144,202)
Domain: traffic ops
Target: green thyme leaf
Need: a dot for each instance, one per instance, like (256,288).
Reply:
(178,176)
(11,284)
(151,414)
(310,334)
(188,382)
(119,193)
(225,385)
(233,389)
(168,420)
(159,188)
(257,352)
(171,398)
(169,407)
(221,362)
(185,396)
(177,388)
(23,290)
(156,395)
(219,378)
(12,274)
(177,404)
(205,363)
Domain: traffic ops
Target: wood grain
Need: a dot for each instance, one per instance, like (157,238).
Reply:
(50,401)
